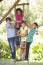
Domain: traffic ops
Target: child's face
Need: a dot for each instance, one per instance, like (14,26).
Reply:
(19,12)
(23,25)
(17,25)
(34,26)
(8,21)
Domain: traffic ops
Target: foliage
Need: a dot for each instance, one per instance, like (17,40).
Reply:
(41,31)
(37,51)
(4,50)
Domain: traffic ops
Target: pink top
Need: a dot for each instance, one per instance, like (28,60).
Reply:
(19,17)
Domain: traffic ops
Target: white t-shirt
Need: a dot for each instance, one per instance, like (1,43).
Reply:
(23,31)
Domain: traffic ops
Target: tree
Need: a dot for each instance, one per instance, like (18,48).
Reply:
(9,11)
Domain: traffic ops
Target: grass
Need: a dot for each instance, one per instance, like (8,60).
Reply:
(10,62)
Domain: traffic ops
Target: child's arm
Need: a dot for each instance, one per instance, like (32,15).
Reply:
(28,25)
(19,34)
(12,26)
(26,33)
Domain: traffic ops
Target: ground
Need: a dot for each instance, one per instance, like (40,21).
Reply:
(10,62)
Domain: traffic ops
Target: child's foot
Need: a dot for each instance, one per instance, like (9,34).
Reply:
(14,60)
(26,59)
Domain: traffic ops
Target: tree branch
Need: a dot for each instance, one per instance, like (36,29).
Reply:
(3,17)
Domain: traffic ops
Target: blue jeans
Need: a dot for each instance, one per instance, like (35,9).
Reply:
(12,43)
(18,40)
(27,49)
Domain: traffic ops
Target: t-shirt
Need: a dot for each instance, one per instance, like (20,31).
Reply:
(10,32)
(23,31)
(19,17)
(31,34)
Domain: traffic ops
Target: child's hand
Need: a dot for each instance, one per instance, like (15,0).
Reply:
(23,35)
(11,26)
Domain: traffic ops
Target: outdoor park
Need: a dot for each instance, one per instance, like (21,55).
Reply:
(32,12)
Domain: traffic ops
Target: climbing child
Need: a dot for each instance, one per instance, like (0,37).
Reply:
(19,15)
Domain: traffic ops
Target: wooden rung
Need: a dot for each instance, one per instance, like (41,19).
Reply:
(23,4)
(20,47)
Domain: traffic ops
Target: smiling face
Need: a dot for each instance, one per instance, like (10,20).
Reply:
(23,25)
(8,21)
(34,25)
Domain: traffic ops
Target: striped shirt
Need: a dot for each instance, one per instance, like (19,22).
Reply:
(31,34)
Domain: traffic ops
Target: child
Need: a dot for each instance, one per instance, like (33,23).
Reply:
(17,37)
(11,37)
(23,34)
(19,16)
(30,38)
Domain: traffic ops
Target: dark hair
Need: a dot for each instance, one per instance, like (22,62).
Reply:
(8,18)
(18,9)
(36,24)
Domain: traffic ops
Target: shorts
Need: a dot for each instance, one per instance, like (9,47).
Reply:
(23,44)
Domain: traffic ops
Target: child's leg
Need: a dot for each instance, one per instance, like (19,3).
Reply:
(21,51)
(24,52)
(27,49)
(17,41)
(12,47)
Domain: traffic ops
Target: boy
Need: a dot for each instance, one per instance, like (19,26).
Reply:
(30,38)
(11,36)
(23,34)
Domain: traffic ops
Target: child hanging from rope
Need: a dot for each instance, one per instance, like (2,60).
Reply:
(19,15)
(23,34)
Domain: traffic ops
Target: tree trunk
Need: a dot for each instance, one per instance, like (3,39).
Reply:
(1,0)
(3,17)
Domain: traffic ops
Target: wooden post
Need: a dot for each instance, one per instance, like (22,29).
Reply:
(9,11)
(23,8)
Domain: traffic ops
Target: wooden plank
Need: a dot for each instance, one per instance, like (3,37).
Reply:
(22,4)
(3,17)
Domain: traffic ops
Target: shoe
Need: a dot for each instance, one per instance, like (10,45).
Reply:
(26,59)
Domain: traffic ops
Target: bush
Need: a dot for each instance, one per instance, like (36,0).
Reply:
(37,51)
(4,49)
